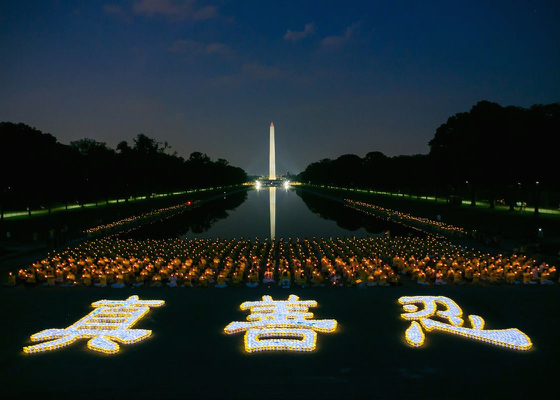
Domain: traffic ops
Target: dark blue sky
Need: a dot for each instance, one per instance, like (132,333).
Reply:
(335,76)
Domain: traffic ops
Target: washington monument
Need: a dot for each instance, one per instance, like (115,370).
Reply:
(272,166)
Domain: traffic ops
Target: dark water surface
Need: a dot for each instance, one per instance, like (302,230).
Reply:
(270,212)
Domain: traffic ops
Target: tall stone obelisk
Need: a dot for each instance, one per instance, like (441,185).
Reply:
(272,166)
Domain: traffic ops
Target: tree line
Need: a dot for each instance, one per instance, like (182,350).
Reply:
(38,171)
(491,153)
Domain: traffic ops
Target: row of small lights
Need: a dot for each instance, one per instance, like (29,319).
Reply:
(134,218)
(425,224)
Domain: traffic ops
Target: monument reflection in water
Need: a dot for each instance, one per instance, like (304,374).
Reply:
(264,213)
(272,202)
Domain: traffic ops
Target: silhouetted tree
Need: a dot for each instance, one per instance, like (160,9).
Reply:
(37,170)
(491,152)
(495,149)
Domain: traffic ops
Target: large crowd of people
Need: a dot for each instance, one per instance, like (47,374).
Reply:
(335,262)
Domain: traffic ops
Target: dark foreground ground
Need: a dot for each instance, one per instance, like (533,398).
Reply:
(189,356)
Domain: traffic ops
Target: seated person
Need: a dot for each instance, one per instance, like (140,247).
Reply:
(377,273)
(494,278)
(545,278)
(510,277)
(110,276)
(253,279)
(394,278)
(527,277)
(120,282)
(221,283)
(209,275)
(383,280)
(59,276)
(70,280)
(317,278)
(172,281)
(301,279)
(203,281)
(415,272)
(469,272)
(458,277)
(11,279)
(552,272)
(102,280)
(187,280)
(30,277)
(335,278)
(421,278)
(139,280)
(237,278)
(476,277)
(86,279)
(285,279)
(268,276)
(22,275)
(156,281)
(450,274)
(440,281)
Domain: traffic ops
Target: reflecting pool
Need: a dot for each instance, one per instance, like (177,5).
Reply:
(275,212)
(270,212)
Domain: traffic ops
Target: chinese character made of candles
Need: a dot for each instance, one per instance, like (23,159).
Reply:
(110,321)
(511,338)
(280,325)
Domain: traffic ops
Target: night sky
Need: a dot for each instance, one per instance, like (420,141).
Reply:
(336,77)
